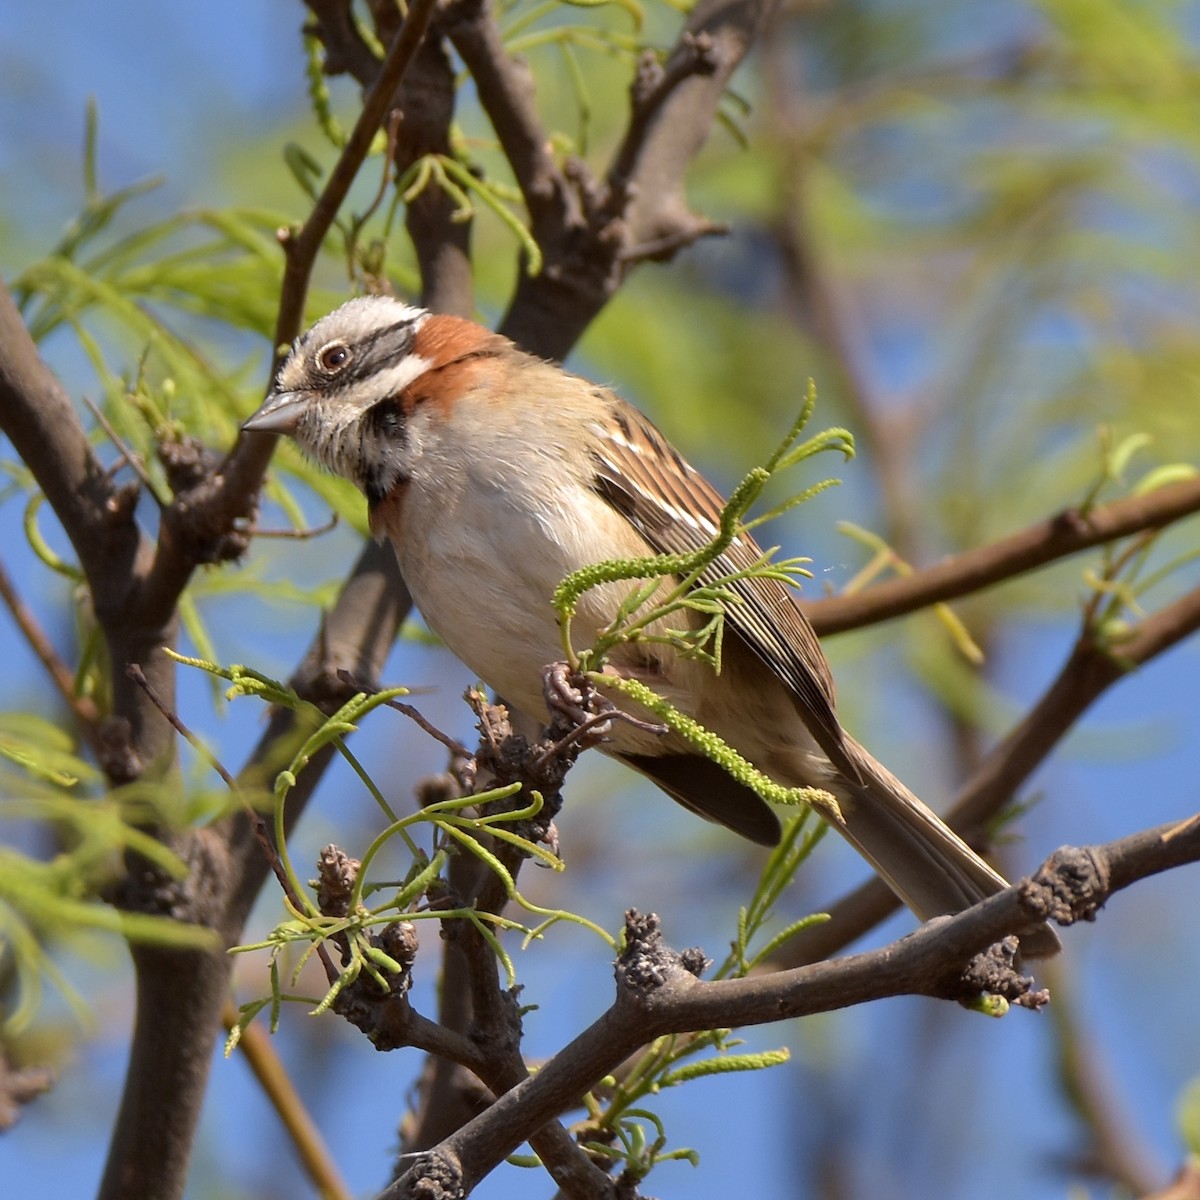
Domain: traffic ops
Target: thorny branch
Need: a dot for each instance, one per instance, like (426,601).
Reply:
(489,1047)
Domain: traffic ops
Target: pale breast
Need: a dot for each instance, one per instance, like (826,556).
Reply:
(497,537)
(489,558)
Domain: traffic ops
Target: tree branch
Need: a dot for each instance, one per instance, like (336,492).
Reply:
(506,91)
(45,430)
(83,707)
(1088,672)
(1048,541)
(673,109)
(241,475)
(656,995)
(488,1012)
(180,996)
(590,235)
(98,518)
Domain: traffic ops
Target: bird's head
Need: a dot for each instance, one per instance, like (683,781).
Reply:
(351,386)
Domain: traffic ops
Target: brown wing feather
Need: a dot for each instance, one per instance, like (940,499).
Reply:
(704,787)
(678,511)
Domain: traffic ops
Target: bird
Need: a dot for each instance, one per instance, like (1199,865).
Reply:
(494,474)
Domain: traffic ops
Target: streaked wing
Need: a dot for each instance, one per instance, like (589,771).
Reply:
(678,511)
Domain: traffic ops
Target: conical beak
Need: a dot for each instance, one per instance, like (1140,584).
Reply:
(280,413)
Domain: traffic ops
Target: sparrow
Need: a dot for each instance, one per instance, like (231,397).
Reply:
(495,474)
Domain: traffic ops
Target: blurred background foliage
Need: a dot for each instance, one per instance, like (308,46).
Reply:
(972,223)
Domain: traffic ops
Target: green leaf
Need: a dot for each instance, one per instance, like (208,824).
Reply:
(1188,1117)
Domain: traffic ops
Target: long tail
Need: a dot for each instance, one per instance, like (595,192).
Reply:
(915,852)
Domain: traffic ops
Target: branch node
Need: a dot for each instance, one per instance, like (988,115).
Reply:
(385,1018)
(399,940)
(121,502)
(647,963)
(505,756)
(694,961)
(116,755)
(498,1037)
(207,531)
(654,80)
(1071,521)
(434,1175)
(994,971)
(1071,885)
(336,876)
(587,188)
(647,78)
(705,58)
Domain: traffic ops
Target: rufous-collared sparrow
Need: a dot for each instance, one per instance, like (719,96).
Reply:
(495,474)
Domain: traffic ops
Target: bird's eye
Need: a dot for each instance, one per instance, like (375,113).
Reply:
(334,357)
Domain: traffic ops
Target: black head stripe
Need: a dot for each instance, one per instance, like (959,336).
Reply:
(390,343)
(369,353)
(377,350)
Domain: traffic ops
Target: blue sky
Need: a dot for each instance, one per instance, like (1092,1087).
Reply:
(161,93)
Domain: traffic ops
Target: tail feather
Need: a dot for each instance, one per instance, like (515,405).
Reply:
(915,852)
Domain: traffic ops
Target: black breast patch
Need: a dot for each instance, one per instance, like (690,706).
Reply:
(384,432)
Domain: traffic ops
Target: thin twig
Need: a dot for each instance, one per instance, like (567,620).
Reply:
(385,177)
(455,747)
(84,707)
(596,720)
(273,1078)
(138,676)
(243,470)
(256,822)
(302,247)
(300,534)
(129,457)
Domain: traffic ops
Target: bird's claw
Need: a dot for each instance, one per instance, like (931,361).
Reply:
(573,698)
